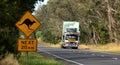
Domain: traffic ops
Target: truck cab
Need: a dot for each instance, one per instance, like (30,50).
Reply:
(70,36)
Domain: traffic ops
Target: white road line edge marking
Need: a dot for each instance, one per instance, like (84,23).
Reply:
(62,58)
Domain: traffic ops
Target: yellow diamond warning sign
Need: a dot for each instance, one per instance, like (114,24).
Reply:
(28,24)
(27,45)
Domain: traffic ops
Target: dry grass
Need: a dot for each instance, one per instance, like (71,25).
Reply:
(82,46)
(111,47)
(9,60)
(57,45)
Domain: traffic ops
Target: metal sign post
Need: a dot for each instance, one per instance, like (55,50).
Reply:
(27,58)
(27,25)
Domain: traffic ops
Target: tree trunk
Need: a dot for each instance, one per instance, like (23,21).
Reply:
(112,25)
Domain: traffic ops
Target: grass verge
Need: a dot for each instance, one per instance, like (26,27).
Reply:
(9,60)
(57,45)
(110,47)
(37,59)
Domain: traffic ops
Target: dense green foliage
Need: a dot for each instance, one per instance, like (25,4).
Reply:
(99,19)
(10,12)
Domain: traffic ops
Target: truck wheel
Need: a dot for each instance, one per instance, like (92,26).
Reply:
(74,47)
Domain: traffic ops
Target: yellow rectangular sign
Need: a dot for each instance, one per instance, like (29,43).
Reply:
(27,45)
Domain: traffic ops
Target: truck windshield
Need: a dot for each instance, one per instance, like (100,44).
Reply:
(71,29)
(72,36)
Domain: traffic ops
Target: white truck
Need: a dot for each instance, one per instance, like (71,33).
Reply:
(70,34)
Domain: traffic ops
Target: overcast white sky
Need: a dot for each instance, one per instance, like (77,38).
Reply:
(40,3)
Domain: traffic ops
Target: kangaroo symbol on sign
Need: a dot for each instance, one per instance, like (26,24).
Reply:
(28,23)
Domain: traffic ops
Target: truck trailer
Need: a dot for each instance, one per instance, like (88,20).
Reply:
(70,34)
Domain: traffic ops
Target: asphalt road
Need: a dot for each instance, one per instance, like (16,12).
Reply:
(81,57)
